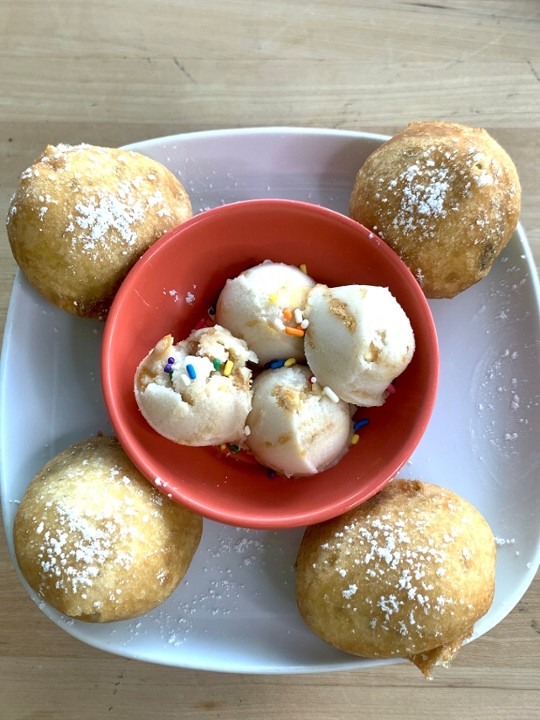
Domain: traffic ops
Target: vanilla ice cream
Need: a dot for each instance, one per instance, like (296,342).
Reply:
(358,341)
(294,427)
(198,391)
(264,306)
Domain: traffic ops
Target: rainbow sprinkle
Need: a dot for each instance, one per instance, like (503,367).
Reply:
(287,314)
(276,364)
(391,389)
(191,371)
(297,332)
(303,268)
(227,370)
(234,448)
(312,379)
(354,439)
(217,364)
(168,367)
(360,423)
(290,361)
(330,394)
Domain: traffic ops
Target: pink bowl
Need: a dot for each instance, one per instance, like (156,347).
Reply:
(171,288)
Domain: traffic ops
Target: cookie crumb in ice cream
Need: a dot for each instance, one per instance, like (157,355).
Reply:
(294,418)
(295,427)
(264,306)
(359,339)
(198,391)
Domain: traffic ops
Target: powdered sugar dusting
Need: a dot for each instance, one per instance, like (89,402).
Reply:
(79,540)
(423,188)
(109,211)
(394,560)
(75,567)
(78,546)
(100,214)
(435,185)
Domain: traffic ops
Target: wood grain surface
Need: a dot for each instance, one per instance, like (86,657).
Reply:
(112,72)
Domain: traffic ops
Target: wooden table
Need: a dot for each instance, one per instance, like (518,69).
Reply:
(112,72)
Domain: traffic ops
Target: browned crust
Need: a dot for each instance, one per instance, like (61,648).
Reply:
(82,216)
(96,541)
(407,574)
(445,196)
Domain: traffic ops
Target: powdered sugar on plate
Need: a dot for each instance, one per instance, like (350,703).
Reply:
(236,573)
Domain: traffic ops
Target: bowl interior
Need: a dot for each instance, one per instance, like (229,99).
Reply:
(170,290)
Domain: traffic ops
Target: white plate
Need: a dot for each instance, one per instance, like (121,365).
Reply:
(236,610)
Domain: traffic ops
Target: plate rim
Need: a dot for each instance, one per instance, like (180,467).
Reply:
(258,130)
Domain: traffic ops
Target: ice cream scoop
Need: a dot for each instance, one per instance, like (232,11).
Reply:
(294,427)
(358,341)
(259,306)
(198,391)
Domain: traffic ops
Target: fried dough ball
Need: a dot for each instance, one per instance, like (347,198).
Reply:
(96,540)
(445,197)
(407,574)
(81,217)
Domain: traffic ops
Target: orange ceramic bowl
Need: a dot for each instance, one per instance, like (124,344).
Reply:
(170,290)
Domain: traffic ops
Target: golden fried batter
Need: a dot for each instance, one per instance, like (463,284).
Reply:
(445,197)
(82,215)
(407,574)
(96,540)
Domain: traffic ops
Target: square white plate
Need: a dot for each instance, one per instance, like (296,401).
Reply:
(235,610)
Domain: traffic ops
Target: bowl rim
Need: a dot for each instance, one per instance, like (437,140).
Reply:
(178,492)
